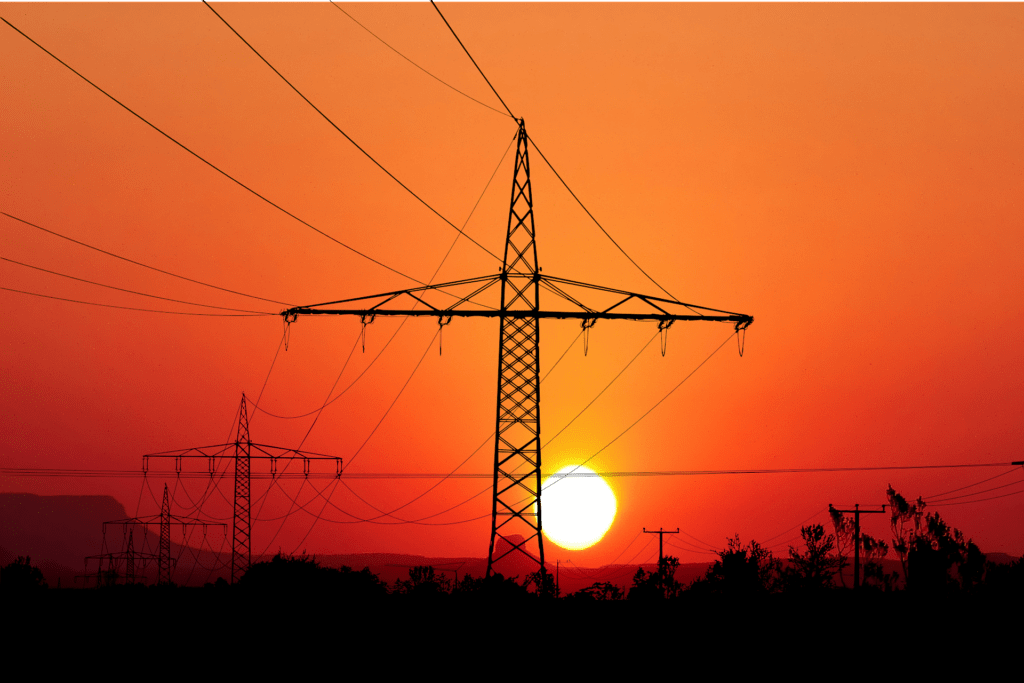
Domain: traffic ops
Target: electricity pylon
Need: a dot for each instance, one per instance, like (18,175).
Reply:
(516,503)
(164,562)
(242,451)
(129,556)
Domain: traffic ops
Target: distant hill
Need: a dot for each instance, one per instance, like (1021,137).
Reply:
(57,532)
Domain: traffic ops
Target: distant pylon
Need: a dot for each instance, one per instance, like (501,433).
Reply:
(163,565)
(129,573)
(241,551)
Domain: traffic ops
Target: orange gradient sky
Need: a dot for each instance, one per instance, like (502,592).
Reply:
(850,175)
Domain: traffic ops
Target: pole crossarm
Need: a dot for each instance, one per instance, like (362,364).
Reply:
(617,305)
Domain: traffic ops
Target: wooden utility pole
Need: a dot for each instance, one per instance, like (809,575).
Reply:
(661,538)
(856,512)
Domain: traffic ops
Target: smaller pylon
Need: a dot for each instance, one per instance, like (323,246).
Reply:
(163,566)
(241,552)
(129,572)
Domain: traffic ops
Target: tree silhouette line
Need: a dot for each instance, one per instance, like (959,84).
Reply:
(934,558)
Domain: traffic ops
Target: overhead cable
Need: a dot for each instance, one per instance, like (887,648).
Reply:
(606,233)
(131,291)
(346,135)
(139,263)
(578,201)
(387,45)
(210,164)
(330,400)
(144,310)
(471,59)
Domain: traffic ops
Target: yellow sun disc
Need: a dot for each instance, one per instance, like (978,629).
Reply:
(577,510)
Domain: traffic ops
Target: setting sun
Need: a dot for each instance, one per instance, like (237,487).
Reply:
(578,509)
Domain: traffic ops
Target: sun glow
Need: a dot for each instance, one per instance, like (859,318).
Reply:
(578,509)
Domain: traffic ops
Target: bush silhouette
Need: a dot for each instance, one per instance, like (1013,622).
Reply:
(20,575)
(303,573)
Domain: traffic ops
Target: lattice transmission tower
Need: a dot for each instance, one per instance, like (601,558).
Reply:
(516,502)
(242,451)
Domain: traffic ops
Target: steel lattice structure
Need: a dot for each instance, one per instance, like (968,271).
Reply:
(241,545)
(164,562)
(516,502)
(242,451)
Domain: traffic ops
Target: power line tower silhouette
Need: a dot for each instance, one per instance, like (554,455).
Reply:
(516,501)
(129,574)
(517,425)
(241,544)
(163,564)
(128,555)
(242,451)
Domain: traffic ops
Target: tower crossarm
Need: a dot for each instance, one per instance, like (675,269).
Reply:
(154,520)
(614,304)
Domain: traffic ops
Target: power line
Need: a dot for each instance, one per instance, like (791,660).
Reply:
(976,493)
(600,393)
(330,400)
(447,476)
(606,233)
(983,481)
(82,472)
(138,263)
(557,175)
(472,60)
(414,63)
(979,500)
(130,291)
(388,411)
(649,410)
(144,310)
(210,164)
(783,533)
(347,137)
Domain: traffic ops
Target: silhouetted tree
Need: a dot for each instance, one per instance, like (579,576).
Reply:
(901,516)
(597,591)
(1005,579)
(657,585)
(423,582)
(303,573)
(543,583)
(843,528)
(931,550)
(493,587)
(815,568)
(872,552)
(20,575)
(742,571)
(939,549)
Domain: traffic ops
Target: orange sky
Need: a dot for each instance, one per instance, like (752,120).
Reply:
(848,174)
